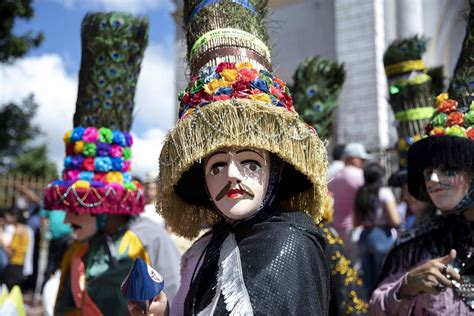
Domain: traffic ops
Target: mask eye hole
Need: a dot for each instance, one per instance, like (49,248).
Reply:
(251,165)
(217,168)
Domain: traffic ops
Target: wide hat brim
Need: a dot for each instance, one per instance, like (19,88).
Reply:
(451,152)
(242,123)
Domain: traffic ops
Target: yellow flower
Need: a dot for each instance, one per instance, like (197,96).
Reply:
(215,84)
(114,177)
(66,137)
(441,98)
(78,147)
(229,75)
(81,184)
(245,64)
(261,97)
(416,138)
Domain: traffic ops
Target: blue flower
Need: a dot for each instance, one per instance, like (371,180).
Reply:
(208,73)
(119,138)
(116,163)
(224,91)
(67,162)
(260,84)
(266,73)
(127,177)
(103,164)
(86,175)
(77,133)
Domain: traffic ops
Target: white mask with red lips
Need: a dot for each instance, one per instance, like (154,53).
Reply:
(237,180)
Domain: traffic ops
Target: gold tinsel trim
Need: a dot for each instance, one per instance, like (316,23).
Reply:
(243,123)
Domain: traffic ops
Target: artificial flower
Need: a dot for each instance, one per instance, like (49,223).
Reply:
(71,174)
(437,131)
(224,90)
(127,153)
(67,162)
(456,118)
(447,106)
(260,85)
(469,118)
(88,164)
(224,65)
(244,65)
(127,177)
(208,74)
(439,119)
(116,151)
(69,149)
(220,97)
(214,84)
(76,162)
(86,175)
(102,149)
(105,135)
(100,176)
(470,132)
(126,165)
(116,164)
(77,133)
(200,97)
(67,137)
(78,147)
(441,98)
(247,74)
(128,138)
(130,186)
(81,184)
(91,135)
(114,177)
(229,75)
(456,130)
(103,164)
(89,149)
(261,97)
(97,184)
(186,98)
(198,86)
(119,138)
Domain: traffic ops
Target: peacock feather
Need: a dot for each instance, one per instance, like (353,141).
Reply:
(461,86)
(112,51)
(437,80)
(411,48)
(317,83)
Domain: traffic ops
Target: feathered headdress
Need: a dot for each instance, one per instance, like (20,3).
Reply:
(96,177)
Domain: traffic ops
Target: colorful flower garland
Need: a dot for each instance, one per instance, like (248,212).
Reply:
(451,120)
(96,158)
(230,80)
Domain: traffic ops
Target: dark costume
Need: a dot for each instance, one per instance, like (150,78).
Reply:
(448,145)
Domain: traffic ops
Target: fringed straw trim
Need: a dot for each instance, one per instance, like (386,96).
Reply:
(242,123)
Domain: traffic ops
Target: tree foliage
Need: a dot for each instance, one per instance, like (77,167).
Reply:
(15,46)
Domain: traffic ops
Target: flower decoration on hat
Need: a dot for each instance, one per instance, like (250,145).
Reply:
(96,177)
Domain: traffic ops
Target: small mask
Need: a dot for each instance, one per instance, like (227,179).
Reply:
(446,187)
(84,226)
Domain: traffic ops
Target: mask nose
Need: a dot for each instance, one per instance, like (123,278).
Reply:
(434,177)
(234,173)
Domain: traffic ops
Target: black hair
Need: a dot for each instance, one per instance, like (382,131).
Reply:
(367,196)
(338,151)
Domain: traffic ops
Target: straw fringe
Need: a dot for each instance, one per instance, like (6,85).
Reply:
(242,123)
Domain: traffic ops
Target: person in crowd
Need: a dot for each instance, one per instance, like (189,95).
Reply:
(375,209)
(101,199)
(344,187)
(430,269)
(16,249)
(241,161)
(337,164)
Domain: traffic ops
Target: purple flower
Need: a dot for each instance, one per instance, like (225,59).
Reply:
(76,162)
(102,149)
(128,138)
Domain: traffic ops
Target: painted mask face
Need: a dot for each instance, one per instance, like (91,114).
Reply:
(237,180)
(84,226)
(446,187)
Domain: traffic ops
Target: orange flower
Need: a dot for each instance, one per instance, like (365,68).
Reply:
(447,106)
(456,118)
(437,131)
(470,133)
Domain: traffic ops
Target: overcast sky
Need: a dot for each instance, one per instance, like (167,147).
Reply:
(51,73)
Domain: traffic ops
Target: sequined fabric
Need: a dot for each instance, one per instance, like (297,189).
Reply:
(346,284)
(283,262)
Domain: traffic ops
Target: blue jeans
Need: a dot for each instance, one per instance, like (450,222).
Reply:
(374,244)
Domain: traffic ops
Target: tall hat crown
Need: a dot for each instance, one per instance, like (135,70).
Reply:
(234,100)
(96,177)
(449,135)
(317,83)
(411,90)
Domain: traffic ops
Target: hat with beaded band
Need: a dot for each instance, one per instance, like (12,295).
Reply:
(96,177)
(233,99)
(449,138)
